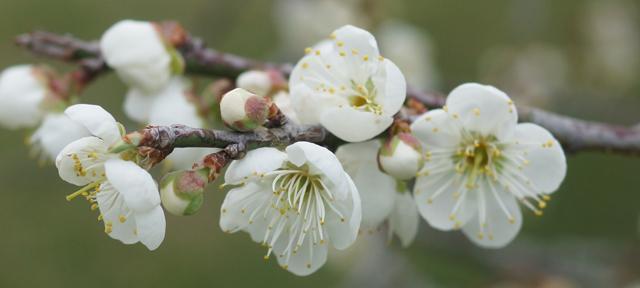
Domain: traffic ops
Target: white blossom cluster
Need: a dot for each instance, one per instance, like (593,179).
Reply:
(465,166)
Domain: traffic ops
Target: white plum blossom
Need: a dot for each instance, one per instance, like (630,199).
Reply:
(22,92)
(383,197)
(56,131)
(125,194)
(129,204)
(347,86)
(480,162)
(138,54)
(295,202)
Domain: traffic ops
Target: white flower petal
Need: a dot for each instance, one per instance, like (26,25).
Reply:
(82,161)
(256,162)
(483,109)
(436,129)
(233,212)
(354,125)
(321,162)
(283,101)
(137,53)
(21,94)
(437,195)
(309,258)
(97,120)
(395,87)
(134,183)
(56,132)
(308,104)
(344,231)
(151,226)
(359,39)
(172,106)
(112,208)
(377,190)
(546,166)
(137,105)
(404,218)
(499,231)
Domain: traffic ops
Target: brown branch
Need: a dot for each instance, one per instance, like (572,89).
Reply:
(575,134)
(176,136)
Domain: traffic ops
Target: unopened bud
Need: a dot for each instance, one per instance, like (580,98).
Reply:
(182,192)
(244,111)
(401,156)
(255,81)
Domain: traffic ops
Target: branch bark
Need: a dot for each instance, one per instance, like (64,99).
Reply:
(576,135)
(177,136)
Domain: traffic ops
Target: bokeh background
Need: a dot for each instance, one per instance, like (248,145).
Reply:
(580,58)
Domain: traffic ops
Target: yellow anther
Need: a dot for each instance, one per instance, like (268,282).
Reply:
(305,65)
(340,43)
(546,197)
(354,51)
(429,200)
(94,207)
(380,58)
(328,66)
(331,90)
(542,204)
(342,53)
(476,111)
(537,212)
(307,50)
(457,225)
(435,129)
(365,58)
(480,235)
(332,36)
(308,265)
(445,108)
(512,220)
(452,217)
(265,257)
(317,52)
(122,219)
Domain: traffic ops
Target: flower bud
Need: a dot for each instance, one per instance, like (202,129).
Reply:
(182,192)
(255,81)
(23,90)
(138,54)
(244,111)
(401,156)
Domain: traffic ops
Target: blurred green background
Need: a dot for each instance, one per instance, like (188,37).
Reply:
(579,58)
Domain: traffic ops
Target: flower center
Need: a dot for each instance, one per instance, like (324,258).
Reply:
(302,201)
(364,98)
(478,155)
